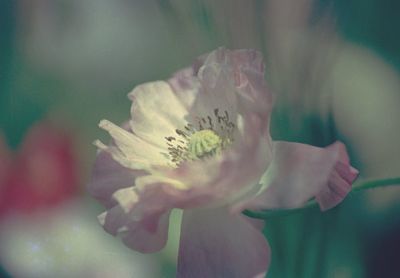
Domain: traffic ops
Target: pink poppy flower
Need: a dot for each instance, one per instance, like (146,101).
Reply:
(200,142)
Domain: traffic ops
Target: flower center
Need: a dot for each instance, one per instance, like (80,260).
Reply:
(204,143)
(206,137)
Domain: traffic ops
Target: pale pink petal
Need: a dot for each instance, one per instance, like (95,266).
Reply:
(215,243)
(300,172)
(109,176)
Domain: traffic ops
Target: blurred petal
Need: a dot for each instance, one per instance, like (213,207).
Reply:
(300,172)
(215,243)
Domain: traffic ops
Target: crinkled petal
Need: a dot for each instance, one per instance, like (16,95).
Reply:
(109,176)
(254,92)
(299,172)
(339,182)
(156,112)
(248,59)
(215,243)
(227,80)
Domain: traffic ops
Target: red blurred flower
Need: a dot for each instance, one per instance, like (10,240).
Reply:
(42,173)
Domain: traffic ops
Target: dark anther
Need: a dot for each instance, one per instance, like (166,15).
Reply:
(170,138)
(210,122)
(180,132)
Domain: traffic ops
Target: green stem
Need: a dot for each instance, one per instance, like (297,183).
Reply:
(375,184)
(359,186)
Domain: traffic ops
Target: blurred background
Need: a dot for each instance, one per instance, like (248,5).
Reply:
(333,66)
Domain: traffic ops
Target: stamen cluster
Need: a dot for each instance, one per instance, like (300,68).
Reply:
(207,137)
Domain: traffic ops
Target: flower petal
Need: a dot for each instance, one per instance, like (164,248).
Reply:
(156,112)
(149,235)
(340,180)
(215,243)
(109,176)
(138,220)
(185,85)
(299,172)
(130,150)
(218,87)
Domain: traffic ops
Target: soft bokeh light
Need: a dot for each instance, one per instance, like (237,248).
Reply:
(67,242)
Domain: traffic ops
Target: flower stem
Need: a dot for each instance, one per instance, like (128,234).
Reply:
(359,186)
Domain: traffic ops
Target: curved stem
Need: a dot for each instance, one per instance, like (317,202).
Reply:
(375,184)
(359,186)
